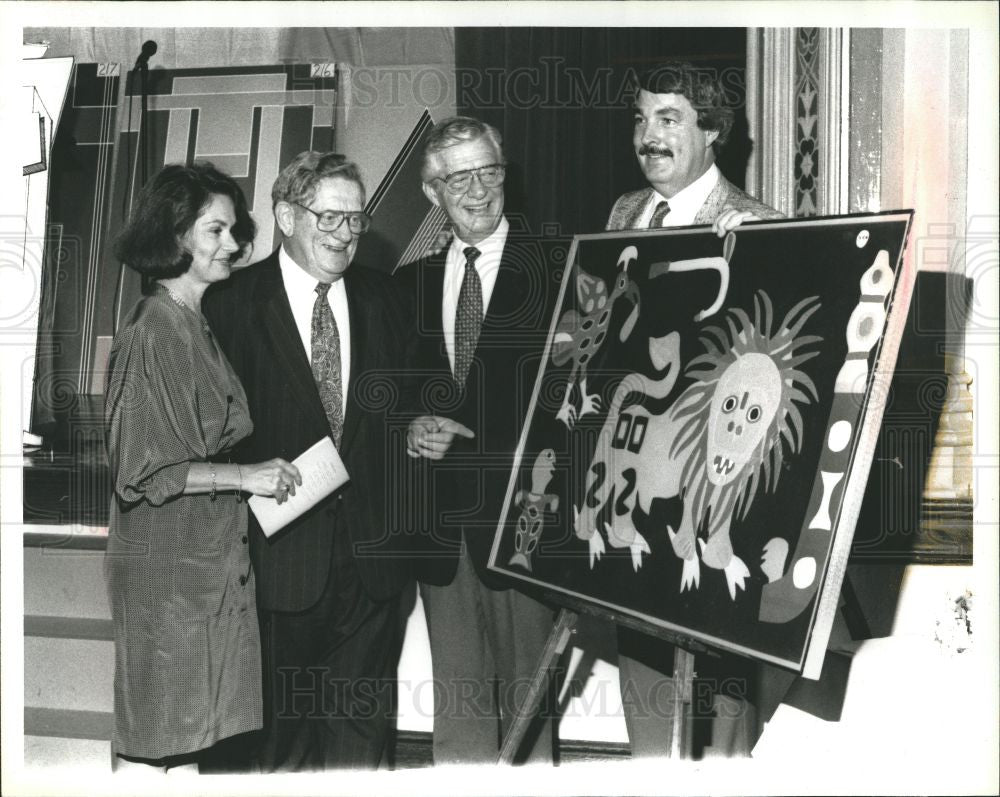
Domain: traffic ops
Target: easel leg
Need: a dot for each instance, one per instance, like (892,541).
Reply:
(854,616)
(681,720)
(554,647)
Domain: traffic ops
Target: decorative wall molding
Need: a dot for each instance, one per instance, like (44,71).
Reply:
(863,130)
(840,120)
(797,101)
(807,153)
(834,70)
(770,108)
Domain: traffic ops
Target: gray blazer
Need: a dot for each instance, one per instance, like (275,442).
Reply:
(628,208)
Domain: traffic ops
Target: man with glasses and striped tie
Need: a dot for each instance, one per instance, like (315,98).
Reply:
(304,328)
(681,121)
(483,307)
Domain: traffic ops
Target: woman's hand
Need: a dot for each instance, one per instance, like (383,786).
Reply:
(276,478)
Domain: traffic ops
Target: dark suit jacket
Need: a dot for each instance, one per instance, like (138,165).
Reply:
(628,207)
(465,490)
(253,321)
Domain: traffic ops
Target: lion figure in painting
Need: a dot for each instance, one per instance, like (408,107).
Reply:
(722,440)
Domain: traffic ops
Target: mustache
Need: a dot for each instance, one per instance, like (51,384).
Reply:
(652,149)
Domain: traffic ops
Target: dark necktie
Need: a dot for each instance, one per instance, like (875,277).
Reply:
(659,214)
(326,361)
(468,317)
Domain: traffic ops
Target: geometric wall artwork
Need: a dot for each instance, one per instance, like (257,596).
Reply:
(246,120)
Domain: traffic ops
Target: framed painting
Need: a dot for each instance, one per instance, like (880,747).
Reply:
(702,428)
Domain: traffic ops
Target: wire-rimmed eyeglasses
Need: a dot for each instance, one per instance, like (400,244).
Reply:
(330,220)
(460,182)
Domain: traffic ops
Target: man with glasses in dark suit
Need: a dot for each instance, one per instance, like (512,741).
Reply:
(483,306)
(307,330)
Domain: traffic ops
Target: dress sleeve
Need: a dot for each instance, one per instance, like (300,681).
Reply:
(151,411)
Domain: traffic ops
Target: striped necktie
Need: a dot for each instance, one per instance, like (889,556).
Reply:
(659,214)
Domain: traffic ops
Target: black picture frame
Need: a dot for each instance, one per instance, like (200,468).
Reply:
(633,489)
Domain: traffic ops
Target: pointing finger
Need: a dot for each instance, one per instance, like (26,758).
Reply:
(454,427)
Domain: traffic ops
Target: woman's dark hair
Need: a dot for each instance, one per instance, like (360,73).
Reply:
(167,208)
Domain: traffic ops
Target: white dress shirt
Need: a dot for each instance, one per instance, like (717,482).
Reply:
(487,266)
(301,290)
(685,204)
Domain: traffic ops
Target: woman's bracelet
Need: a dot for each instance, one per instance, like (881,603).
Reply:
(239,492)
(211,468)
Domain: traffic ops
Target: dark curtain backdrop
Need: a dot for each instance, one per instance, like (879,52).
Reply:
(560,97)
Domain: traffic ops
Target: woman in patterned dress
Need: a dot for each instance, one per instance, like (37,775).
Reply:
(187,646)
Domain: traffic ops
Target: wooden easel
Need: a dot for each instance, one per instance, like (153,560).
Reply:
(565,626)
(684,650)
(563,629)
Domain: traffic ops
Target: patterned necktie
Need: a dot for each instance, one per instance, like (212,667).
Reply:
(326,361)
(468,317)
(659,213)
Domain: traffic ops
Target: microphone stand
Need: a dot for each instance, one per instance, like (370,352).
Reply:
(143,132)
(142,154)
(140,70)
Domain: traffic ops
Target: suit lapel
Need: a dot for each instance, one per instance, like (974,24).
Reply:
(714,203)
(431,288)
(510,291)
(361,309)
(634,211)
(283,338)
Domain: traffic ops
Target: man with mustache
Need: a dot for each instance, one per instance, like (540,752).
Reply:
(681,121)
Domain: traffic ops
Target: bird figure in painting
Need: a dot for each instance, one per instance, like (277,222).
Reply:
(580,333)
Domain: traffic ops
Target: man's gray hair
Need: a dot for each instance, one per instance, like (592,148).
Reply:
(298,180)
(456,130)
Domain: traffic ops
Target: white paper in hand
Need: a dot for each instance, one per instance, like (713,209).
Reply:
(322,472)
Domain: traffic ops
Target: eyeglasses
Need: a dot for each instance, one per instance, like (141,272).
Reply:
(330,220)
(460,182)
